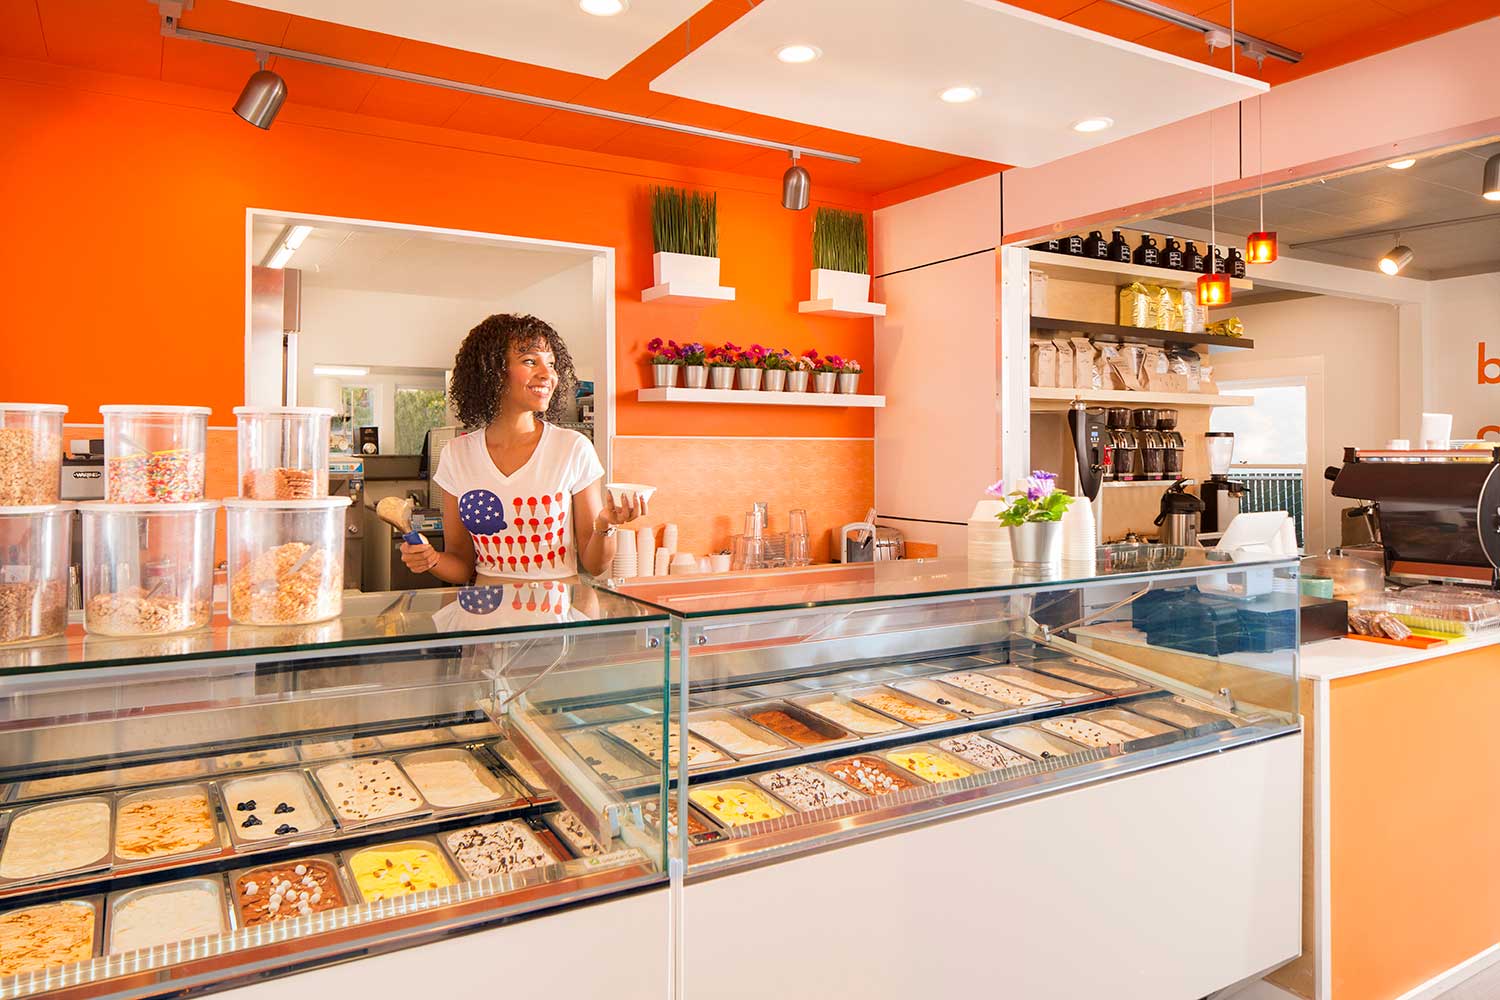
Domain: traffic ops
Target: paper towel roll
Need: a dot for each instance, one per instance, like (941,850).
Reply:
(663,562)
(645,550)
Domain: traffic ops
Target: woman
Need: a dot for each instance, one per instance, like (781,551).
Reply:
(525,498)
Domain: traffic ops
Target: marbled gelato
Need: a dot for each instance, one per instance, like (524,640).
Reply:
(271,805)
(736,804)
(347,747)
(399,870)
(805,789)
(56,838)
(978,750)
(870,775)
(913,712)
(41,937)
(996,690)
(281,892)
(1041,683)
(498,849)
(158,825)
(370,788)
(788,726)
(930,766)
(573,833)
(167,914)
(852,717)
(947,697)
(1084,732)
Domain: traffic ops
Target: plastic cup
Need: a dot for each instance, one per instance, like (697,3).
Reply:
(154,454)
(283,452)
(148,569)
(30,453)
(34,558)
(286,560)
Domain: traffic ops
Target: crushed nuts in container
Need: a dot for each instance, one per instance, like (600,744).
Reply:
(286,560)
(154,454)
(283,452)
(34,555)
(30,453)
(148,569)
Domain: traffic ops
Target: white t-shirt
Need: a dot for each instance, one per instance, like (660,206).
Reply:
(522,524)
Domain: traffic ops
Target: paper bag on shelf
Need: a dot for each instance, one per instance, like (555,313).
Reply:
(1038,293)
(1193,315)
(1168,309)
(1194,370)
(1044,364)
(1064,363)
(1155,376)
(1206,378)
(1086,374)
(1108,356)
(1177,372)
(1137,305)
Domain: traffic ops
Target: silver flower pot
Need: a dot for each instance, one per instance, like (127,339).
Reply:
(825,381)
(695,376)
(665,376)
(749,378)
(797,381)
(849,382)
(1036,543)
(720,377)
(774,380)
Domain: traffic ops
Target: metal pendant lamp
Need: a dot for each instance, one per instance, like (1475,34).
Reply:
(261,100)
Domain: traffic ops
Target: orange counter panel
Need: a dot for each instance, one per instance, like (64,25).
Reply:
(1415,822)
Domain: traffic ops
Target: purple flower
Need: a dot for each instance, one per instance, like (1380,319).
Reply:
(654,344)
(1043,474)
(996,489)
(1040,484)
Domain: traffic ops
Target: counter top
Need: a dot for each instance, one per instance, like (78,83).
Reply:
(1333,659)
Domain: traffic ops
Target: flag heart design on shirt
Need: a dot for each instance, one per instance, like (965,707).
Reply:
(497,537)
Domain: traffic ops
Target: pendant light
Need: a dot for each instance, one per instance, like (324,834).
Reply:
(262,97)
(1213,287)
(796,185)
(1396,258)
(1260,247)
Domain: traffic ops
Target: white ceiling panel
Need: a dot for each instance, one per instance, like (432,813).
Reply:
(553,33)
(884,62)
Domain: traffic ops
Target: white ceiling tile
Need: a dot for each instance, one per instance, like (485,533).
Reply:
(884,62)
(554,33)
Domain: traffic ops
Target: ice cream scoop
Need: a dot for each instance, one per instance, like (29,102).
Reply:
(396,511)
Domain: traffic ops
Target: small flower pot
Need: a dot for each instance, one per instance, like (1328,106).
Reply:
(849,383)
(825,381)
(797,381)
(842,287)
(665,376)
(775,380)
(720,377)
(749,378)
(695,376)
(685,269)
(1037,543)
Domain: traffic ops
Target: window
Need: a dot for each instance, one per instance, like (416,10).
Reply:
(1272,430)
(417,412)
(356,410)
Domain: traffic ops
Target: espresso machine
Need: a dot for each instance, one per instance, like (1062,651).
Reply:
(1221,496)
(1125,445)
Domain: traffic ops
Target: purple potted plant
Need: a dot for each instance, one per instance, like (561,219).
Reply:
(666,361)
(1034,514)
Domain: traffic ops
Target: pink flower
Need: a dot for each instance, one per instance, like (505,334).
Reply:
(654,344)
(996,489)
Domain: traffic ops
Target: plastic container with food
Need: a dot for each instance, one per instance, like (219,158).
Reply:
(148,568)
(283,451)
(34,556)
(1438,609)
(1351,578)
(154,454)
(30,453)
(286,560)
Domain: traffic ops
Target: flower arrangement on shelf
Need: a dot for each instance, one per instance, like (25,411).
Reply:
(778,364)
(1033,513)
(751,364)
(694,365)
(849,373)
(754,367)
(666,361)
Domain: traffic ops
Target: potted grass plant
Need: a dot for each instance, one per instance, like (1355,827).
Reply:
(694,366)
(666,362)
(841,258)
(685,233)
(801,372)
(721,366)
(751,364)
(777,365)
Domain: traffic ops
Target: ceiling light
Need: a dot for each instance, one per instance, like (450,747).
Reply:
(1098,124)
(262,97)
(603,8)
(1395,259)
(960,94)
(796,186)
(1491,189)
(297,236)
(1214,288)
(1260,246)
(280,257)
(340,370)
(798,53)
(1402,164)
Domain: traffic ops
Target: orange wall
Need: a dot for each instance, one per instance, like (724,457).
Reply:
(124,257)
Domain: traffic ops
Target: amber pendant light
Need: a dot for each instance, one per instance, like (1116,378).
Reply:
(1260,247)
(1213,288)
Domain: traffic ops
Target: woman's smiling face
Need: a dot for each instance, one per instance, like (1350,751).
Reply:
(531,379)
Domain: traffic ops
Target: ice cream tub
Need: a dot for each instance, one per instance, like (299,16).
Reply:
(1084,732)
(56,840)
(932,765)
(1034,743)
(173,822)
(857,719)
(736,736)
(475,732)
(701,829)
(737,803)
(322,878)
(799,728)
(510,847)
(1052,687)
(415,865)
(569,829)
(953,699)
(406,739)
(520,768)
(1136,727)
(166,914)
(644,736)
(338,746)
(985,753)
(808,789)
(272,810)
(609,758)
(1111,682)
(902,707)
(254,760)
(369,791)
(1005,693)
(1179,711)
(872,774)
(455,781)
(78,923)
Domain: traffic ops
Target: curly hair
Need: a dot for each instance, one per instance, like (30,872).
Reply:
(482,365)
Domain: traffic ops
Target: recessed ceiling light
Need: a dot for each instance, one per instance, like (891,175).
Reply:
(798,53)
(960,94)
(1097,124)
(603,8)
(1402,164)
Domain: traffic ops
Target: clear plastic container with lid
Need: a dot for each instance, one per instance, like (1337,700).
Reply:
(154,454)
(283,452)
(286,560)
(148,569)
(35,544)
(30,453)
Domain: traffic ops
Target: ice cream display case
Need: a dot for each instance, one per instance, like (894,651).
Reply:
(210,809)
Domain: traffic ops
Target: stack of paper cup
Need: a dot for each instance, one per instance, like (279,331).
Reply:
(1080,532)
(1437,429)
(625,565)
(645,551)
(989,540)
(663,562)
(669,537)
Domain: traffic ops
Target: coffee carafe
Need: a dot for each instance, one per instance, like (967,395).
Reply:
(1180,514)
(1221,496)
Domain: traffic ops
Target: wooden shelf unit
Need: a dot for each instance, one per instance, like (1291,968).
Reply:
(1114,333)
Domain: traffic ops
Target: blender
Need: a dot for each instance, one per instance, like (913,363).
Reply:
(1221,497)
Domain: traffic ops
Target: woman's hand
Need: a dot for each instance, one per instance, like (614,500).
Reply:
(419,558)
(632,506)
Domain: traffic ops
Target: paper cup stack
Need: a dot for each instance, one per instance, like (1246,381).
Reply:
(989,540)
(625,565)
(1080,532)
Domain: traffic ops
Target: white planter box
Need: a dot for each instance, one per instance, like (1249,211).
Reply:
(685,269)
(842,287)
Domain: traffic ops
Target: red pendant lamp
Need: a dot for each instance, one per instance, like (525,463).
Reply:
(1260,248)
(1213,287)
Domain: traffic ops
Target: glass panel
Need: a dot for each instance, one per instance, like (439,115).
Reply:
(842,720)
(417,412)
(355,797)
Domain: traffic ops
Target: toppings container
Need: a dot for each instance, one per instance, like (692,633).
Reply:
(30,453)
(148,569)
(34,556)
(286,560)
(154,454)
(283,452)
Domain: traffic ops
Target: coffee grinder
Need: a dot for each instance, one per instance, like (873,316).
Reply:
(1172,444)
(1221,497)
(1125,444)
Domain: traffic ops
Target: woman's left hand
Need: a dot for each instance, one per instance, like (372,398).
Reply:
(632,506)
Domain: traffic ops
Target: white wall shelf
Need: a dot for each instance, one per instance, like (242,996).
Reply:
(757,397)
(682,293)
(826,307)
(1107,272)
(1044,400)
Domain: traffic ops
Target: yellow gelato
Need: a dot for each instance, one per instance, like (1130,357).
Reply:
(382,872)
(734,805)
(928,765)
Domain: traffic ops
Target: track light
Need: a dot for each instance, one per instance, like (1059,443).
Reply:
(1395,259)
(1491,190)
(262,97)
(796,185)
